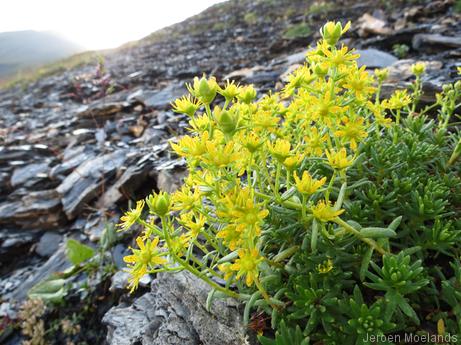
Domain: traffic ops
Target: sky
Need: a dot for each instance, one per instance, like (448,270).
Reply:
(97,24)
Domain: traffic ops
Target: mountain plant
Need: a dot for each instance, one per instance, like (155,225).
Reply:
(328,210)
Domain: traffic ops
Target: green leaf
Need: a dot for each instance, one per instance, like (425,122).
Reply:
(248,306)
(209,299)
(51,290)
(365,263)
(315,235)
(377,232)
(78,252)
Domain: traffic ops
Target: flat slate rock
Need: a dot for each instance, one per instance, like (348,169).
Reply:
(41,209)
(374,58)
(174,313)
(161,99)
(100,109)
(83,183)
(435,41)
(48,244)
(29,173)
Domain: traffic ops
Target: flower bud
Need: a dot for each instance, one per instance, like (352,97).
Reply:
(418,68)
(158,204)
(458,85)
(205,90)
(446,88)
(381,74)
(247,94)
(331,32)
(320,70)
(227,120)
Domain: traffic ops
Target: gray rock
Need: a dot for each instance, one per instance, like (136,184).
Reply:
(83,183)
(40,209)
(174,313)
(71,163)
(374,58)
(297,58)
(161,99)
(170,180)
(435,42)
(125,186)
(14,243)
(30,173)
(118,252)
(48,244)
(119,281)
(56,263)
(100,109)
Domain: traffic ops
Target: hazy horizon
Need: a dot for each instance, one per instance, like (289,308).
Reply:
(101,24)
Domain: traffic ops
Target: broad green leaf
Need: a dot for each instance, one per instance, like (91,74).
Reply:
(78,252)
(50,290)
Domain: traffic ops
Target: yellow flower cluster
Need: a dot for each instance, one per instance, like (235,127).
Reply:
(244,154)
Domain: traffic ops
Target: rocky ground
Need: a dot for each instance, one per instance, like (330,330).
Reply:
(77,147)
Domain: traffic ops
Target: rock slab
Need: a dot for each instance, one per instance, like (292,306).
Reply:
(174,313)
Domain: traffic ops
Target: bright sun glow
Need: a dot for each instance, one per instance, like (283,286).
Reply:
(97,24)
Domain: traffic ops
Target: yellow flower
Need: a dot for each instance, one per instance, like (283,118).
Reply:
(190,146)
(325,108)
(131,216)
(320,69)
(251,141)
(265,119)
(315,141)
(360,82)
(226,269)
(194,223)
(300,77)
(186,105)
(459,70)
(219,155)
(353,131)
(338,57)
(231,236)
(246,94)
(280,149)
(201,123)
(229,91)
(238,205)
(325,267)
(291,163)
(247,265)
(185,199)
(179,244)
(338,159)
(143,259)
(418,68)
(379,115)
(307,184)
(398,100)
(324,212)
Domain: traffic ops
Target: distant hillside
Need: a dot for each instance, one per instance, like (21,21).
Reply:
(24,49)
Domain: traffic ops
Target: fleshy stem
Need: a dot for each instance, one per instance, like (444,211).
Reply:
(191,269)
(357,233)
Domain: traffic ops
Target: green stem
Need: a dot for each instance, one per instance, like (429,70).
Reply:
(288,204)
(330,186)
(192,269)
(357,234)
